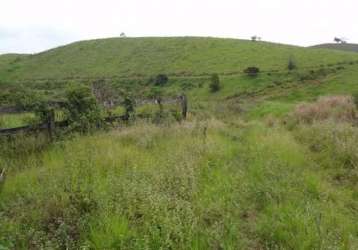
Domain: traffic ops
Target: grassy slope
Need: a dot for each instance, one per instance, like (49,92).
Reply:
(204,184)
(350,47)
(234,186)
(148,56)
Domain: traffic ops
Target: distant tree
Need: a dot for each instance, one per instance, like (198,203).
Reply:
(255,38)
(340,40)
(337,40)
(123,35)
(161,79)
(252,71)
(291,64)
(214,83)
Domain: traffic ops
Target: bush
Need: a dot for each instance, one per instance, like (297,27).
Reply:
(339,108)
(129,106)
(355,99)
(291,64)
(214,83)
(161,79)
(82,110)
(252,71)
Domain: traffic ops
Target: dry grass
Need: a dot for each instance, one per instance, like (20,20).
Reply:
(337,108)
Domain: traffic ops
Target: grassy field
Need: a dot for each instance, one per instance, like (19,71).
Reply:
(15,120)
(205,184)
(263,163)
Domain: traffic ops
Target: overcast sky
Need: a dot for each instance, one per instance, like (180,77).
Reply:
(28,26)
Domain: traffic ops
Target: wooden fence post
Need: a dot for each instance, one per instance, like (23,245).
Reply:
(184,105)
(159,101)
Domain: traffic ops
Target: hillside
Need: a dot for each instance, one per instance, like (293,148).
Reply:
(350,47)
(251,166)
(129,57)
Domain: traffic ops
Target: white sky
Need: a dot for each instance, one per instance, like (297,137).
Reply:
(36,25)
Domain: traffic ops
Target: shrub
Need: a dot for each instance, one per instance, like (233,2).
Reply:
(355,99)
(214,83)
(129,106)
(339,108)
(291,64)
(82,110)
(252,71)
(161,79)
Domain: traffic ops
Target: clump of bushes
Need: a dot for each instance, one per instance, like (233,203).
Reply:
(214,83)
(82,110)
(339,108)
(252,71)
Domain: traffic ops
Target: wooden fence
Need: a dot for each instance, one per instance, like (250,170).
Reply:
(51,124)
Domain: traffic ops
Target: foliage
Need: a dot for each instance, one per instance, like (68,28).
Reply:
(291,64)
(161,80)
(150,56)
(129,107)
(355,99)
(183,186)
(214,83)
(82,110)
(338,108)
(252,71)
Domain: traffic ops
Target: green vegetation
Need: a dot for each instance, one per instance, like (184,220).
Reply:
(15,120)
(136,57)
(199,185)
(267,162)
(214,83)
(341,46)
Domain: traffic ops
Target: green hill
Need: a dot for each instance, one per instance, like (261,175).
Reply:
(251,167)
(350,47)
(133,57)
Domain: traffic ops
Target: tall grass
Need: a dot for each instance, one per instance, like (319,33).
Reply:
(341,108)
(195,185)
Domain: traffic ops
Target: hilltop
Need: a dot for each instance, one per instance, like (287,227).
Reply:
(143,57)
(350,47)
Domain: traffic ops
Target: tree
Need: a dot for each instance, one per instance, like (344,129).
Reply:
(291,64)
(214,83)
(255,38)
(252,71)
(82,110)
(340,40)
(123,35)
(337,40)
